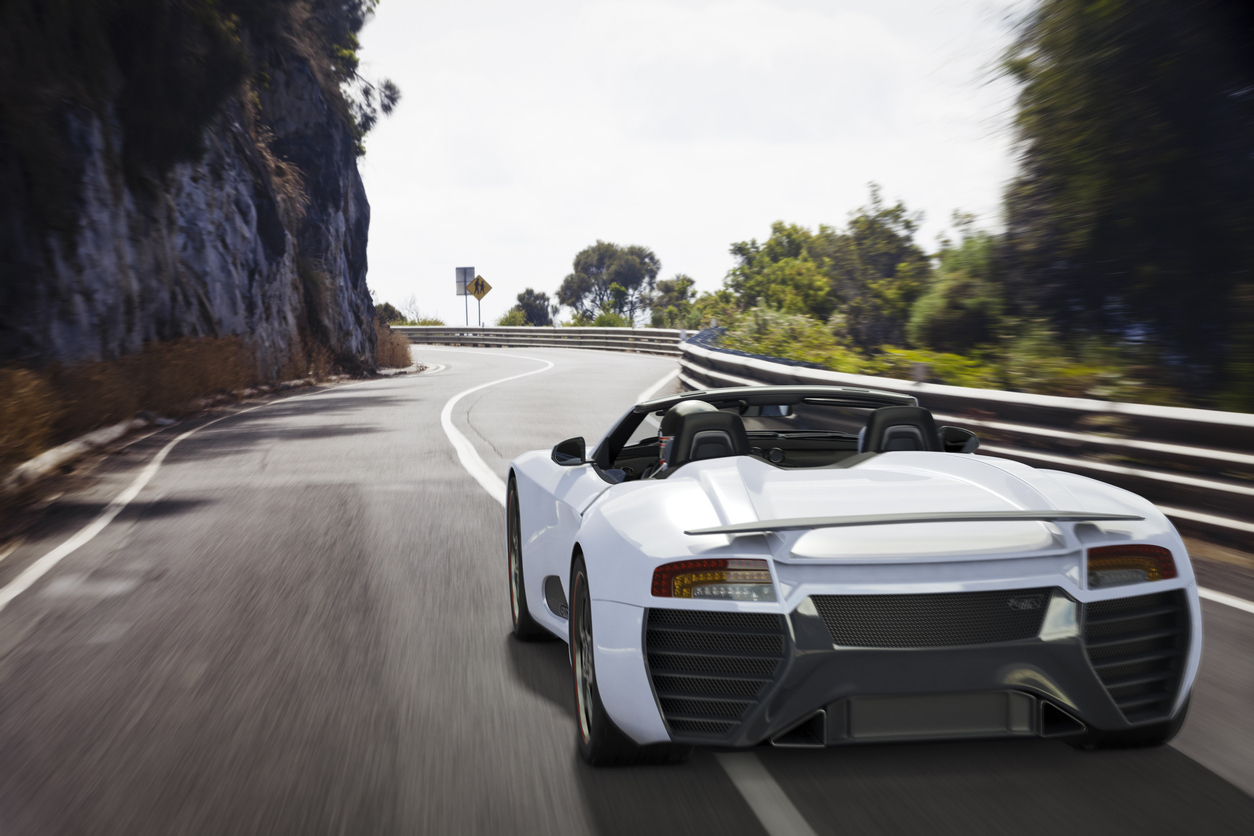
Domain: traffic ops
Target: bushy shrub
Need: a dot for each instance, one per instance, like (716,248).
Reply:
(28,411)
(609,319)
(391,348)
(514,316)
(767,331)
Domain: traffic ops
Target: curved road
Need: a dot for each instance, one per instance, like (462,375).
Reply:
(300,625)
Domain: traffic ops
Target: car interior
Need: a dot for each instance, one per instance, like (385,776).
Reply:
(807,434)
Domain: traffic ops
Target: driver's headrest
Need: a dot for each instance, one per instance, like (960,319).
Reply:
(899,428)
(694,430)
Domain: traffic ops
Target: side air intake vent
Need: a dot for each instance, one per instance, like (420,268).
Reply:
(944,619)
(710,669)
(1137,647)
(555,597)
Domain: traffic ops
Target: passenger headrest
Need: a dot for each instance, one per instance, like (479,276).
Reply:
(899,428)
(703,434)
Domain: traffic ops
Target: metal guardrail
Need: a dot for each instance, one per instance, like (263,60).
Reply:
(1197,465)
(663,341)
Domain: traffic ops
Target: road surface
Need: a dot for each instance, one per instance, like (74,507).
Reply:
(300,625)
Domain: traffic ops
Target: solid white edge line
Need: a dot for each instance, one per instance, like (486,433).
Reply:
(778,815)
(32,573)
(652,390)
(466,453)
(1225,598)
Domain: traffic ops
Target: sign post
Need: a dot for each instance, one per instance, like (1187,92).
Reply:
(465,275)
(478,288)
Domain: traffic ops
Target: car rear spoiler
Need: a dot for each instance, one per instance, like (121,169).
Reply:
(899,519)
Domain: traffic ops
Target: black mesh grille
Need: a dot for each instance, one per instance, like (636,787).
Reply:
(706,685)
(701,727)
(704,708)
(712,664)
(709,668)
(715,642)
(946,619)
(1137,647)
(554,597)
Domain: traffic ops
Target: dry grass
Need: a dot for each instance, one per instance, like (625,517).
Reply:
(39,409)
(27,412)
(393,348)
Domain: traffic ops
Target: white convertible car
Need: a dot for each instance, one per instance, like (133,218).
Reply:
(820,566)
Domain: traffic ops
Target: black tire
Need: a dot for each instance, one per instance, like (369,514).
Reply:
(601,743)
(1142,737)
(525,627)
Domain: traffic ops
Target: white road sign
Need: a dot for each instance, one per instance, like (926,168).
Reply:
(465,275)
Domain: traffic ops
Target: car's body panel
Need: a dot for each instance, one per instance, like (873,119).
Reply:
(621,676)
(625,531)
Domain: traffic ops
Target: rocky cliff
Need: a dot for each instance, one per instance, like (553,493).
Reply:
(263,235)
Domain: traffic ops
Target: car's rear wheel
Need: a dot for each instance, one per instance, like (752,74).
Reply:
(1142,737)
(601,743)
(525,627)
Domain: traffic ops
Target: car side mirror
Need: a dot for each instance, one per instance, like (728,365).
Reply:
(958,440)
(570,452)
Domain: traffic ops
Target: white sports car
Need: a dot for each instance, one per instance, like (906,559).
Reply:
(821,565)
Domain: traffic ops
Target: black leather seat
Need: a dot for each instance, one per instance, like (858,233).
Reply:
(899,428)
(708,435)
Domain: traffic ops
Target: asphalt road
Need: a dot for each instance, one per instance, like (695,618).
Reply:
(300,625)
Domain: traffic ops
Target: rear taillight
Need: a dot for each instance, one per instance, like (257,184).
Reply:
(1133,563)
(720,579)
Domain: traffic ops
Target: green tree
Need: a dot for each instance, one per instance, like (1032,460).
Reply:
(514,316)
(962,307)
(389,314)
(1132,216)
(671,305)
(869,273)
(536,308)
(608,278)
(877,271)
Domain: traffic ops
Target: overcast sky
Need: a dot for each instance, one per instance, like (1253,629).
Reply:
(530,130)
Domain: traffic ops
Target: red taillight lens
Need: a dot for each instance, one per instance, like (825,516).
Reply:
(1133,563)
(732,579)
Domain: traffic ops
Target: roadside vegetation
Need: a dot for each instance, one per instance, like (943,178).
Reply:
(1123,266)
(40,408)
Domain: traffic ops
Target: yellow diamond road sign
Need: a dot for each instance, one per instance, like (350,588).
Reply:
(478,288)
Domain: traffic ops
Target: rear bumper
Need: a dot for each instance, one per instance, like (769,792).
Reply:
(818,694)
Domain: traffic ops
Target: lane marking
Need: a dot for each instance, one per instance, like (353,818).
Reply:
(767,799)
(764,795)
(85,535)
(650,419)
(652,390)
(1225,598)
(466,453)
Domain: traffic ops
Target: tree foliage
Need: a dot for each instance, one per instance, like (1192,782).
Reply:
(608,278)
(536,308)
(1133,214)
(962,307)
(869,273)
(671,306)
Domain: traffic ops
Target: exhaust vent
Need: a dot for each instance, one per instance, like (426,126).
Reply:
(710,669)
(1137,647)
(555,598)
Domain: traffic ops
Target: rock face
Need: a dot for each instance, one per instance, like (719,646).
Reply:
(220,246)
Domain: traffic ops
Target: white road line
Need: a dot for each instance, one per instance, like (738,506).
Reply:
(1225,598)
(652,390)
(470,458)
(85,535)
(766,797)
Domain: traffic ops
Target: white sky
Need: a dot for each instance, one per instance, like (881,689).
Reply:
(529,130)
